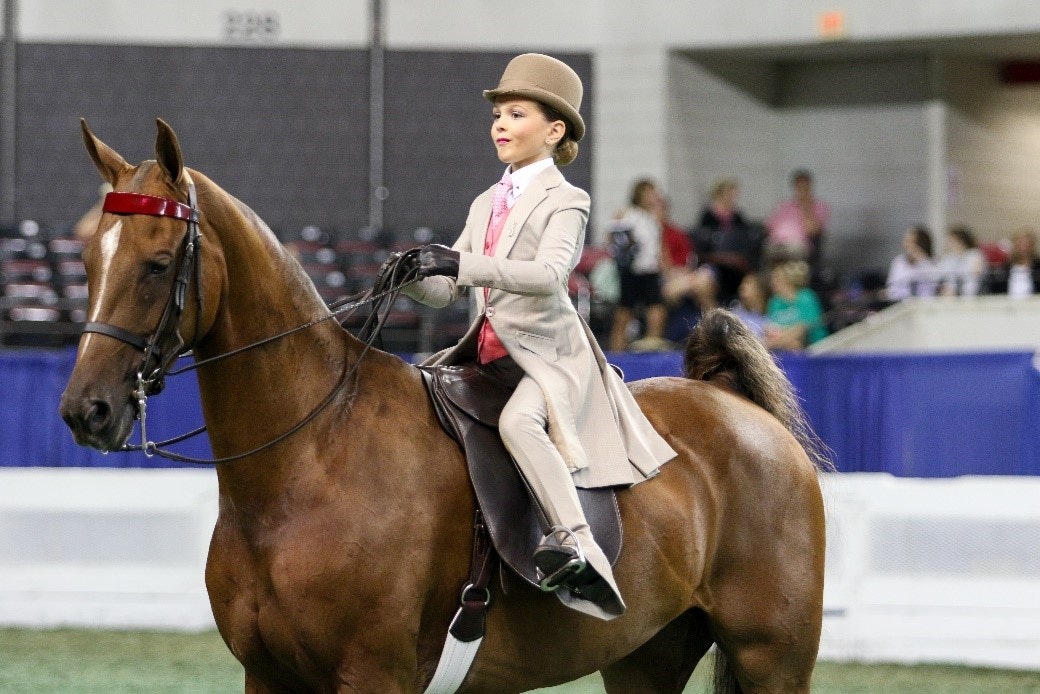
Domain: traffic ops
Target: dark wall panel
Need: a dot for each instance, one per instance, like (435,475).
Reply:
(284,130)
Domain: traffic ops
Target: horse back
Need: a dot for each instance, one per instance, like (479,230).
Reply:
(742,479)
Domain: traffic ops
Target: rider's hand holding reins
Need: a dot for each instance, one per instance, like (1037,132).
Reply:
(435,259)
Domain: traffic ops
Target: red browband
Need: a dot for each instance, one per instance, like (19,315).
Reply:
(118,202)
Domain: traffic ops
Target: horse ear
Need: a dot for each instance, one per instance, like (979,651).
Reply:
(108,162)
(168,151)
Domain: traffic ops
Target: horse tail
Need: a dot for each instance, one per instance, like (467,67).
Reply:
(723,350)
(723,679)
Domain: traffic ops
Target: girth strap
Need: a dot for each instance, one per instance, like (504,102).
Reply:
(138,341)
(467,628)
(470,620)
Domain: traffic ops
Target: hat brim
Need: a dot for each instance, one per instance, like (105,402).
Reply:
(547,98)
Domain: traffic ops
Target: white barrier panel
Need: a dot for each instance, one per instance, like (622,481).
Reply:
(917,570)
(105,547)
(925,570)
(937,324)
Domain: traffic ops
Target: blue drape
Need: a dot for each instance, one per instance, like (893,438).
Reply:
(33,434)
(910,415)
(924,415)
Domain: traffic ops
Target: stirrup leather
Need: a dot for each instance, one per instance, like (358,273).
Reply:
(571,568)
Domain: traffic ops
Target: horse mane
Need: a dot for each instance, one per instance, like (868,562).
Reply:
(722,350)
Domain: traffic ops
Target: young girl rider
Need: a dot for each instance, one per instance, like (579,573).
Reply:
(571,420)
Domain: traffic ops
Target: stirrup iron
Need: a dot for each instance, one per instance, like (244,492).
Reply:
(571,568)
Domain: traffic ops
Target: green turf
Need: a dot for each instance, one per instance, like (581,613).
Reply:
(71,661)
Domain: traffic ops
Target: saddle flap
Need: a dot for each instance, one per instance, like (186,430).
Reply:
(473,391)
(511,516)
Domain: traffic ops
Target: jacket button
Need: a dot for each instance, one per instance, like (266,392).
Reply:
(489,311)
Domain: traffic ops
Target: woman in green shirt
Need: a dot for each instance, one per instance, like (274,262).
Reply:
(794,311)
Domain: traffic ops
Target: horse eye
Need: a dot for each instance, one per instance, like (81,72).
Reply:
(158,267)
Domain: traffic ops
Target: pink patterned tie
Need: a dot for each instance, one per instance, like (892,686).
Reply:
(498,200)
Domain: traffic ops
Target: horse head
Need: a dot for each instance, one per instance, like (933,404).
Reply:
(145,295)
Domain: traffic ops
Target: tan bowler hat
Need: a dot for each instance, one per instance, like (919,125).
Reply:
(545,79)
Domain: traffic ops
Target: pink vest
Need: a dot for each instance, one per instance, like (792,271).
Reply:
(489,347)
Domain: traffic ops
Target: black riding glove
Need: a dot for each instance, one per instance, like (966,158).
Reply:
(435,259)
(407,262)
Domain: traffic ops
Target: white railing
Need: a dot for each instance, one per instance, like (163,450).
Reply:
(917,570)
(937,570)
(105,547)
(942,324)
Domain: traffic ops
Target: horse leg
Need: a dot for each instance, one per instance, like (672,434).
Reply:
(255,686)
(769,634)
(663,664)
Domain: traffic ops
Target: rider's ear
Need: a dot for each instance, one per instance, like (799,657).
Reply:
(168,151)
(108,162)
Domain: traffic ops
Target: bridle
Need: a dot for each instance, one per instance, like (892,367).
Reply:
(157,357)
(123,203)
(396,273)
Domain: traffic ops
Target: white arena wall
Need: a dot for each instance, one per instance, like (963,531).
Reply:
(917,570)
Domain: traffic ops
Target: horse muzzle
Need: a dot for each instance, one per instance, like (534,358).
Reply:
(100,421)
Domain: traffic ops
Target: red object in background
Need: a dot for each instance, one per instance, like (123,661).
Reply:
(677,244)
(590,257)
(994,254)
(1020,72)
(831,25)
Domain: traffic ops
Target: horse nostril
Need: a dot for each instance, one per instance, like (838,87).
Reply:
(98,414)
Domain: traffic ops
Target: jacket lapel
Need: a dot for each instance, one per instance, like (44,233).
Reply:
(525,205)
(479,218)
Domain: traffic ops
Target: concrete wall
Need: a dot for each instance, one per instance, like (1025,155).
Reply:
(861,126)
(477,24)
(719,130)
(993,141)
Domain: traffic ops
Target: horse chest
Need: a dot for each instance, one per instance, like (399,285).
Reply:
(296,592)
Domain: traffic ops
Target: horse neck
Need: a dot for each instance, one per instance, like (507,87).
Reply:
(251,397)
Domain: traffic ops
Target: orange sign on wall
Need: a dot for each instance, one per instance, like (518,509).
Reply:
(831,25)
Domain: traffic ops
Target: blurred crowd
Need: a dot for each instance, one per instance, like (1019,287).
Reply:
(643,289)
(656,278)
(664,277)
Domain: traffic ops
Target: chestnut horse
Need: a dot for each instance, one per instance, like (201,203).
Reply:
(339,552)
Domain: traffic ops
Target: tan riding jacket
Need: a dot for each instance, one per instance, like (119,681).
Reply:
(594,421)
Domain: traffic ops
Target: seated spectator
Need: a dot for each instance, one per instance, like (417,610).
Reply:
(752,302)
(687,289)
(962,266)
(636,240)
(913,272)
(794,311)
(1020,275)
(725,242)
(796,227)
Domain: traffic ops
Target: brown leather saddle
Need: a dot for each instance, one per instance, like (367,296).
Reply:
(468,402)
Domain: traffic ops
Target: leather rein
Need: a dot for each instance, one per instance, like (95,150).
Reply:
(395,274)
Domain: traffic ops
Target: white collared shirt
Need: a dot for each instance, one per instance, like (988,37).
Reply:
(523,177)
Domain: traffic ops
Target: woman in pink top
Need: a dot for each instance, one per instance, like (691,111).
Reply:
(797,225)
